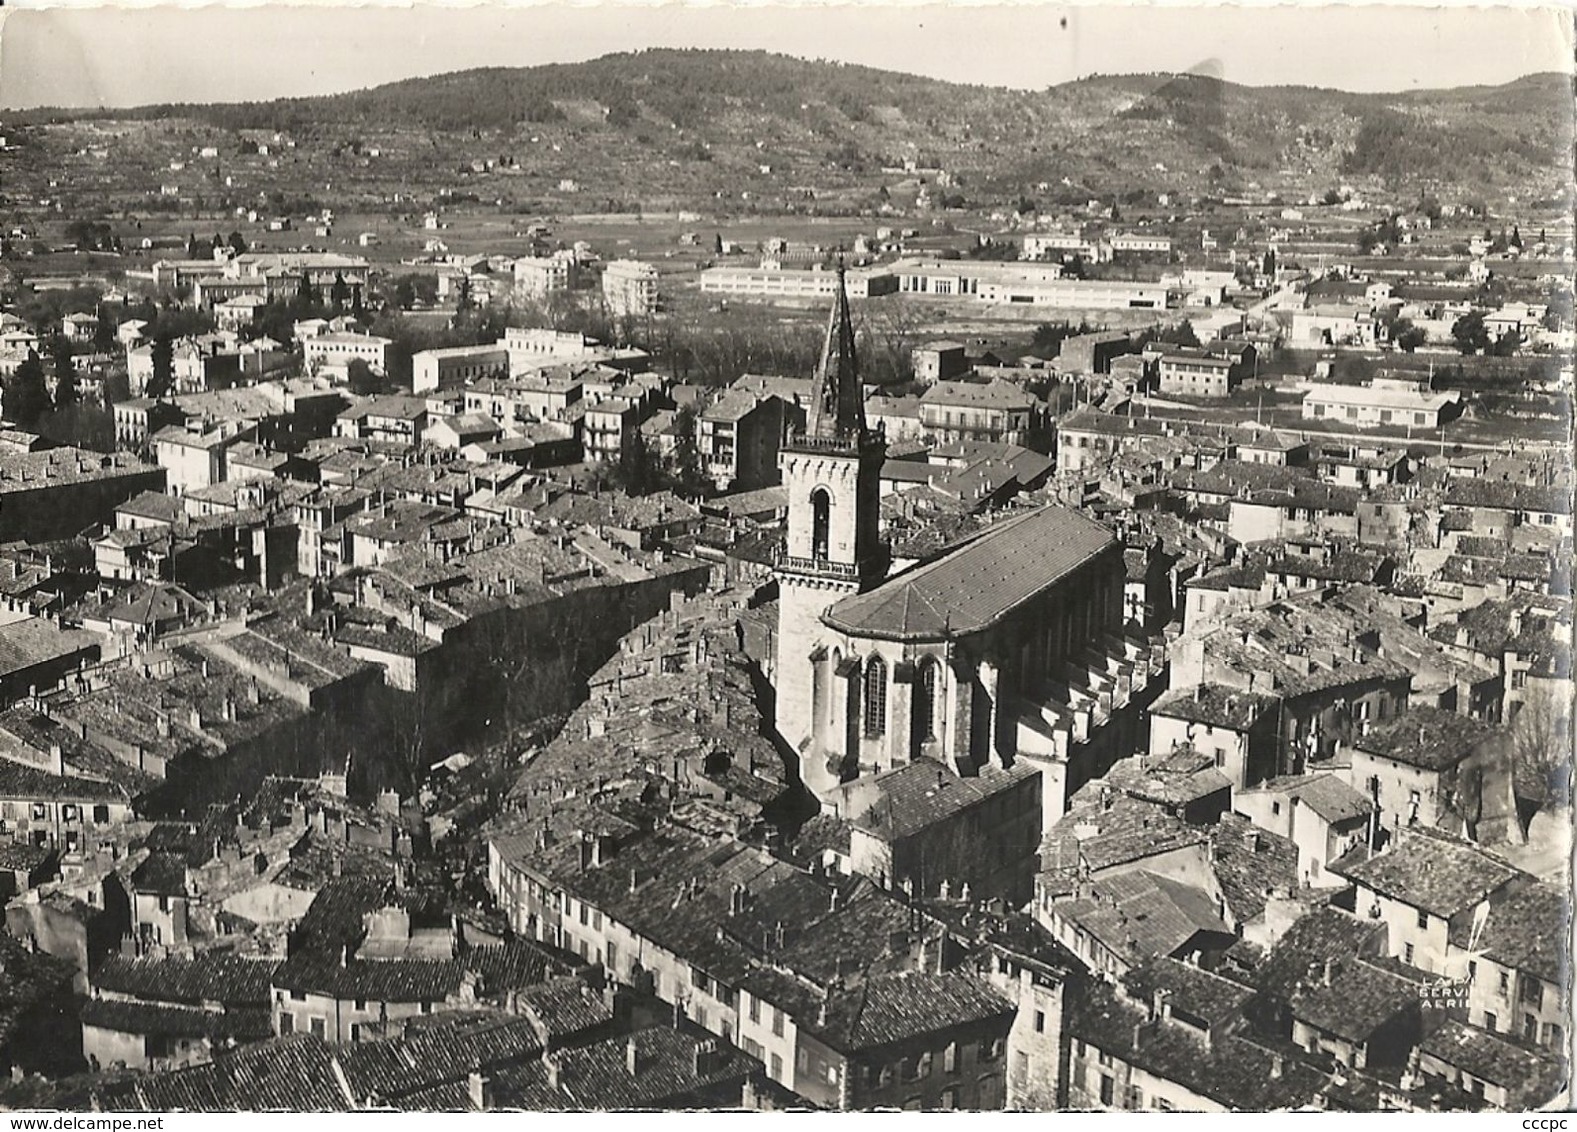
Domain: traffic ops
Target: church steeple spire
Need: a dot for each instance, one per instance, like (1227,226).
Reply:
(837,407)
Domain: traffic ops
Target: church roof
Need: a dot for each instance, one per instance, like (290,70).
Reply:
(837,406)
(979,583)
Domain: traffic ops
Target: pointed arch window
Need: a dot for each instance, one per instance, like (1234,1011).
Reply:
(926,698)
(820,522)
(875,697)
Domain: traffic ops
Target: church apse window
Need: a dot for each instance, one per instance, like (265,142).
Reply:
(925,701)
(875,697)
(820,522)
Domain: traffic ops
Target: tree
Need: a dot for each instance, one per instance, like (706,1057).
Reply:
(717,244)
(1541,747)
(1516,237)
(405,294)
(65,372)
(237,243)
(1331,197)
(1507,344)
(360,377)
(1180,335)
(357,311)
(463,296)
(163,379)
(1469,333)
(193,248)
(25,398)
(638,471)
(686,476)
(1407,336)
(339,293)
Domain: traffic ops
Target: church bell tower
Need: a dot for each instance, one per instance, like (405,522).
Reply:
(832,470)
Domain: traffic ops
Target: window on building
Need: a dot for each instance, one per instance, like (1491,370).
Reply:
(1505,983)
(922,1065)
(875,697)
(1407,953)
(1423,919)
(885,1077)
(101,814)
(1532,991)
(319,1028)
(926,704)
(1491,1023)
(776,1067)
(1040,1021)
(949,1099)
(1554,1037)
(777,1022)
(950,1058)
(1108,1090)
(832,1074)
(1530,1028)
(287,1023)
(613,956)
(755,1009)
(820,522)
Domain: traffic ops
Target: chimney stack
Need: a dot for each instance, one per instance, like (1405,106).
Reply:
(632,1057)
(476,1085)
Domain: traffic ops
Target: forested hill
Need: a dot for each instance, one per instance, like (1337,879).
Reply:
(695,100)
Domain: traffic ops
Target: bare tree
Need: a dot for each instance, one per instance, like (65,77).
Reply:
(1541,747)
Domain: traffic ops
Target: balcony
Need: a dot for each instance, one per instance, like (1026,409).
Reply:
(821,566)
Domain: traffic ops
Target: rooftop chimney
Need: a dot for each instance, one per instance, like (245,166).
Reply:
(476,1086)
(632,1057)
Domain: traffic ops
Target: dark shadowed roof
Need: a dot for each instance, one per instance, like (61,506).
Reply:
(978,584)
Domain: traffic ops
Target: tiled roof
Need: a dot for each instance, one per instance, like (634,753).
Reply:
(145,1018)
(1529,928)
(230,979)
(914,797)
(21,781)
(1531,1078)
(1211,998)
(978,584)
(564,1007)
(1215,705)
(291,1074)
(1139,915)
(1234,1073)
(1249,862)
(510,966)
(1356,999)
(1427,738)
(597,1076)
(1323,934)
(1433,873)
(1324,793)
(376,980)
(891,1009)
(445,1052)
(163,874)
(24,644)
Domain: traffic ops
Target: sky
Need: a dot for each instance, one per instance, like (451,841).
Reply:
(74,55)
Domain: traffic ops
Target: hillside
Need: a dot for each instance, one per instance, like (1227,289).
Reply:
(715,116)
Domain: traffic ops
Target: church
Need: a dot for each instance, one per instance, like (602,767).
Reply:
(1006,648)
